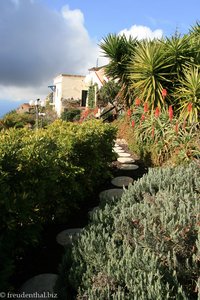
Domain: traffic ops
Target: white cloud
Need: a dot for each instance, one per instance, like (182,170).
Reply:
(17,93)
(37,44)
(142,32)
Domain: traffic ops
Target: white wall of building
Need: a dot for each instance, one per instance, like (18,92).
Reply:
(71,86)
(67,87)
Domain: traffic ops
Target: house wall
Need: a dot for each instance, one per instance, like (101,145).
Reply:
(67,87)
(58,95)
(92,78)
(24,108)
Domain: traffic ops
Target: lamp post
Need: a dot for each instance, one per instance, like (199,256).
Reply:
(37,103)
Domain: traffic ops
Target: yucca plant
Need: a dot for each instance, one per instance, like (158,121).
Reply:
(195,41)
(188,95)
(180,53)
(119,49)
(148,73)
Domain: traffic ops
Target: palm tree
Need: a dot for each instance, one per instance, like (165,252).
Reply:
(119,50)
(149,73)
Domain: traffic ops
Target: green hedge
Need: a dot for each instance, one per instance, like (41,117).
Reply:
(146,246)
(44,176)
(70,115)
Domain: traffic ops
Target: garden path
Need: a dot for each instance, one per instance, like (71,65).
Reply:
(45,261)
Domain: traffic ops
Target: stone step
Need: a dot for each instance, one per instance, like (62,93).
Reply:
(128,167)
(66,237)
(118,151)
(124,154)
(121,141)
(111,194)
(42,285)
(121,181)
(125,160)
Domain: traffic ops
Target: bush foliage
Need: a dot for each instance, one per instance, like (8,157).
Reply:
(71,115)
(145,246)
(158,136)
(44,177)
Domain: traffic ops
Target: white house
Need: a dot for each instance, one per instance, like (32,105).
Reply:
(96,75)
(69,88)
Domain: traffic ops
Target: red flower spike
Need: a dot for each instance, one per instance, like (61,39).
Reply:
(164,93)
(133,123)
(137,101)
(142,117)
(157,112)
(189,108)
(171,113)
(152,132)
(129,112)
(176,127)
(146,107)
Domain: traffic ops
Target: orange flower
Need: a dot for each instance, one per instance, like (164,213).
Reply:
(129,112)
(189,107)
(137,101)
(171,113)
(133,123)
(164,93)
(146,107)
(157,112)
(142,117)
(152,132)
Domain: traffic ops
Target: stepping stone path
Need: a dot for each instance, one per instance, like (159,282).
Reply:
(124,154)
(122,181)
(66,237)
(110,194)
(118,151)
(117,148)
(125,160)
(43,284)
(128,167)
(120,141)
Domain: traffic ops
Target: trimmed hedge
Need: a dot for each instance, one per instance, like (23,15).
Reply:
(44,176)
(146,246)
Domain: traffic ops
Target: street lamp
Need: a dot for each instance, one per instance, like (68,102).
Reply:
(37,103)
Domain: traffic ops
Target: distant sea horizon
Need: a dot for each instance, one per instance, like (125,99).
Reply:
(8,105)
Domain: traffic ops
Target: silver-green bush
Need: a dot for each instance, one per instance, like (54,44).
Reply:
(147,245)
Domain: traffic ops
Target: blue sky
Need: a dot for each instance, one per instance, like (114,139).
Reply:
(102,17)
(41,38)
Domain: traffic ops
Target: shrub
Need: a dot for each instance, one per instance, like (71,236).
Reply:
(17,120)
(45,175)
(71,115)
(160,138)
(147,245)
